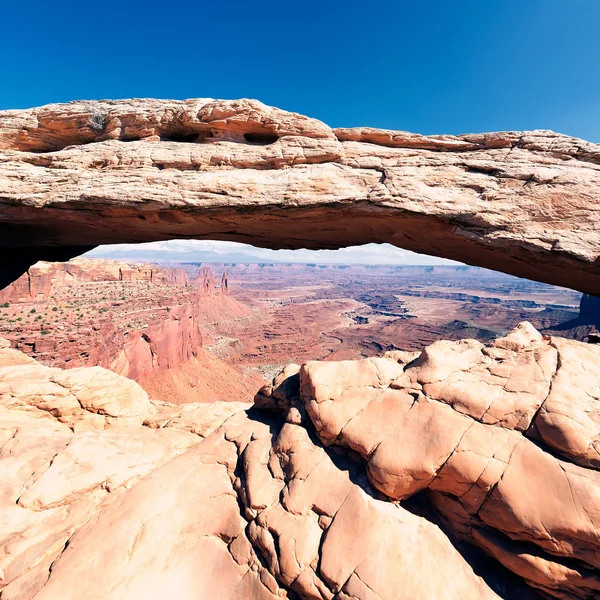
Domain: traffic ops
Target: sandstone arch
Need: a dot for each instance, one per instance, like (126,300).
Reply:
(73,176)
(509,420)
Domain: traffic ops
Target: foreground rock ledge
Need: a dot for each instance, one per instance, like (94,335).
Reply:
(76,175)
(305,494)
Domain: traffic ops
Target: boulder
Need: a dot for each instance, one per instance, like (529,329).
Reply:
(203,501)
(459,422)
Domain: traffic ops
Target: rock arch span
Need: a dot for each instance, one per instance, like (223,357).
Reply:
(76,175)
(502,438)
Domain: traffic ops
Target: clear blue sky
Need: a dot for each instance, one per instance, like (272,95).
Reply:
(425,66)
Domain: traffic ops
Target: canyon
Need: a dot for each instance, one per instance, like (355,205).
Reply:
(398,465)
(147,323)
(333,312)
(184,337)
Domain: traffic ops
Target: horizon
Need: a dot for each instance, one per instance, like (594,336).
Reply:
(236,252)
(208,389)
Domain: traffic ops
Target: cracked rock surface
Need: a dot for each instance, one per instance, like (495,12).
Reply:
(208,501)
(503,437)
(76,175)
(346,480)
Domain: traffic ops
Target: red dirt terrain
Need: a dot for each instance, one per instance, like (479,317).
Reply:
(336,312)
(185,339)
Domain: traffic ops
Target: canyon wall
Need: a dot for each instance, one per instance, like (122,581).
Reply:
(36,283)
(141,321)
(172,337)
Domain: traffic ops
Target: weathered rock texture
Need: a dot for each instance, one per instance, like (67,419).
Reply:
(138,320)
(107,495)
(203,501)
(482,429)
(86,173)
(38,281)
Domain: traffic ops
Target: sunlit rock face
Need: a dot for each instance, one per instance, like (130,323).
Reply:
(139,320)
(86,173)
(198,500)
(36,284)
(305,494)
(505,439)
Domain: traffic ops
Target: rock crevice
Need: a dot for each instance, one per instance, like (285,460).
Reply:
(481,462)
(310,499)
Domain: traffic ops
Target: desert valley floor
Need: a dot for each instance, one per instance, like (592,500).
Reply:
(206,332)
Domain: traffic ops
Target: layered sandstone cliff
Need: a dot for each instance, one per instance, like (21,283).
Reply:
(141,321)
(316,492)
(37,283)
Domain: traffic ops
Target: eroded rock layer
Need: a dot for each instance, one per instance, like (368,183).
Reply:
(305,495)
(504,437)
(38,281)
(86,173)
(138,320)
(204,501)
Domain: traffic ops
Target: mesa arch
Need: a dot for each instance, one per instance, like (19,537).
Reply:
(76,175)
(70,182)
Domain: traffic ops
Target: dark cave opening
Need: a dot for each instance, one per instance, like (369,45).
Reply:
(261,139)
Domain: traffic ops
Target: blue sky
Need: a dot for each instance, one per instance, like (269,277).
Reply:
(425,66)
(435,66)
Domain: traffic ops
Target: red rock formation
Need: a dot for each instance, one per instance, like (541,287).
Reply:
(503,439)
(172,338)
(224,284)
(37,282)
(150,328)
(236,503)
(210,501)
(206,280)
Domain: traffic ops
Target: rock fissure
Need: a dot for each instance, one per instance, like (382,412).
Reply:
(483,479)
(274,475)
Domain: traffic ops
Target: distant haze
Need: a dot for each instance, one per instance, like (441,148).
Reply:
(233,252)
